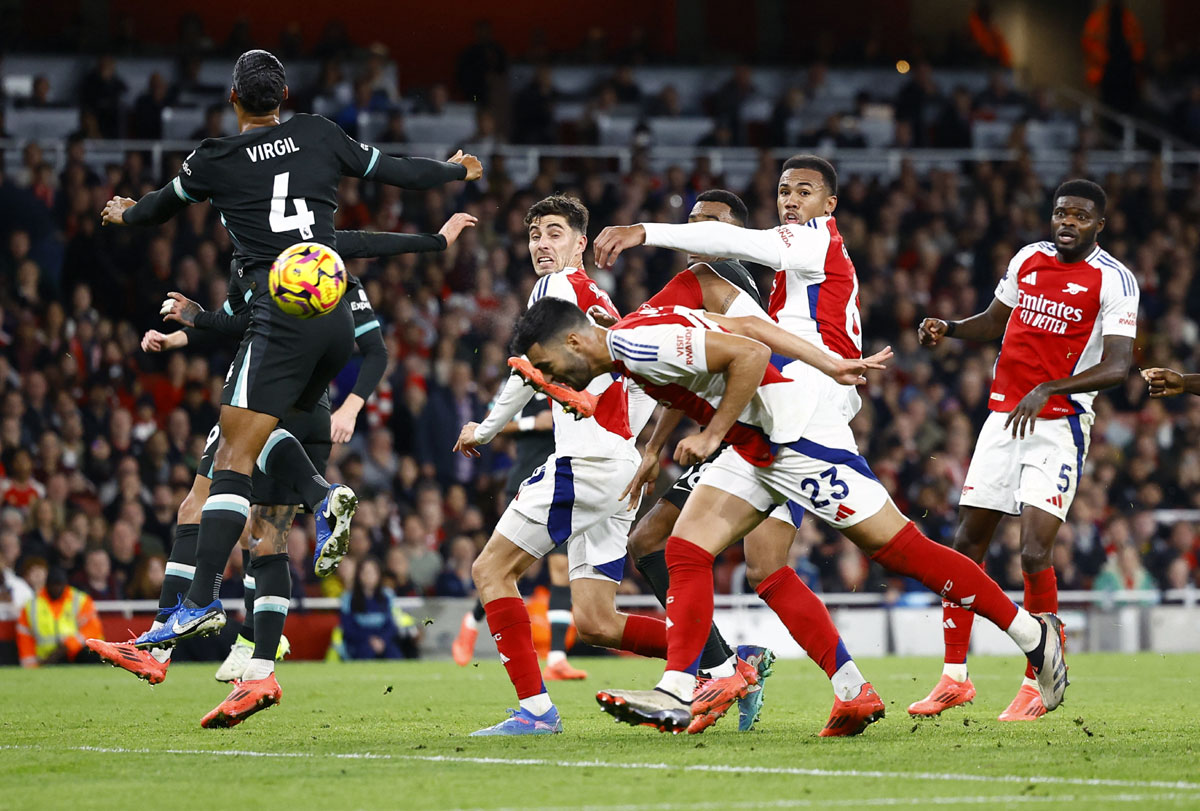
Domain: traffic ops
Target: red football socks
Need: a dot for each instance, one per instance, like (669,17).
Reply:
(689,603)
(508,620)
(1041,595)
(645,636)
(946,572)
(804,615)
(956,630)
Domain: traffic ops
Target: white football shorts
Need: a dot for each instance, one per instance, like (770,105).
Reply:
(1042,470)
(574,501)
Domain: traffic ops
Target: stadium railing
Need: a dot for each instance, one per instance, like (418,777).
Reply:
(737,164)
(872,624)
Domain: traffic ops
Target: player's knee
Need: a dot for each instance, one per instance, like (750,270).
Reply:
(1034,558)
(482,571)
(964,543)
(757,572)
(644,540)
(595,626)
(189,510)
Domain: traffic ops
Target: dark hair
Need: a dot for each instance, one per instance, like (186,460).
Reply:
(817,164)
(547,318)
(736,207)
(1085,189)
(358,596)
(259,79)
(569,208)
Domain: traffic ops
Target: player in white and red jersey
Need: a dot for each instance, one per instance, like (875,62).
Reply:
(728,383)
(571,501)
(1068,313)
(713,285)
(815,297)
(815,294)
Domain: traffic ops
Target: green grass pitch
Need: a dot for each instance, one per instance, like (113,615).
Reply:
(394,735)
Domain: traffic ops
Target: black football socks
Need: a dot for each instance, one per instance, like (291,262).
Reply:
(221,523)
(180,569)
(284,460)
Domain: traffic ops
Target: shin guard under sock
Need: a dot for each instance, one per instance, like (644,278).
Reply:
(221,523)
(180,569)
(654,568)
(273,590)
(689,604)
(946,572)
(508,620)
(806,618)
(1041,595)
(645,636)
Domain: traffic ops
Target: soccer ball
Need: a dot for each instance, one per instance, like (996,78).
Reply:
(307,280)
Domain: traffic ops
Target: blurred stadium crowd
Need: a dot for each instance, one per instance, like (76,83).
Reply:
(98,439)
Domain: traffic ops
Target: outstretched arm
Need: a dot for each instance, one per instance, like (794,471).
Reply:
(365,244)
(509,402)
(154,209)
(783,248)
(846,372)
(424,173)
(985,326)
(1170,383)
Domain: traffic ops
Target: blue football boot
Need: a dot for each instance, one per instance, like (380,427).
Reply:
(522,722)
(759,660)
(333,516)
(182,623)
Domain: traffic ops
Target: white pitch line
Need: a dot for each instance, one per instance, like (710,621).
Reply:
(715,768)
(1009,799)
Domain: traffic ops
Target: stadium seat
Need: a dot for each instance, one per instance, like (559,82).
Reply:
(42,122)
(877,132)
(615,130)
(679,131)
(990,134)
(1048,136)
(439,129)
(64,73)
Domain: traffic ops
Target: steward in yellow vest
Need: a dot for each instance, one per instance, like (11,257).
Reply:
(55,623)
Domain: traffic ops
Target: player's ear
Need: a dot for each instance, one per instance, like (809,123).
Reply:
(830,204)
(1100,225)
(285,93)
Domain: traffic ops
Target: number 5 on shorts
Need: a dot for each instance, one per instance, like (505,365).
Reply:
(1064,478)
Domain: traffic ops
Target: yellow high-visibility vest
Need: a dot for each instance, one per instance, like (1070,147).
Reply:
(48,630)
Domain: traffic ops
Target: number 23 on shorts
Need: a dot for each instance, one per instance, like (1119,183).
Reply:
(838,489)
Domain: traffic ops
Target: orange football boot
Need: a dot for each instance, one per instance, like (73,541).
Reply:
(852,717)
(463,649)
(580,403)
(714,697)
(125,656)
(562,671)
(948,693)
(1027,706)
(247,698)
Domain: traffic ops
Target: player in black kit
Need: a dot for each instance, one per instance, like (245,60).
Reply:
(273,505)
(274,184)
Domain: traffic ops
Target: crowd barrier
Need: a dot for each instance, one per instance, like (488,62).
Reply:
(1118,621)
